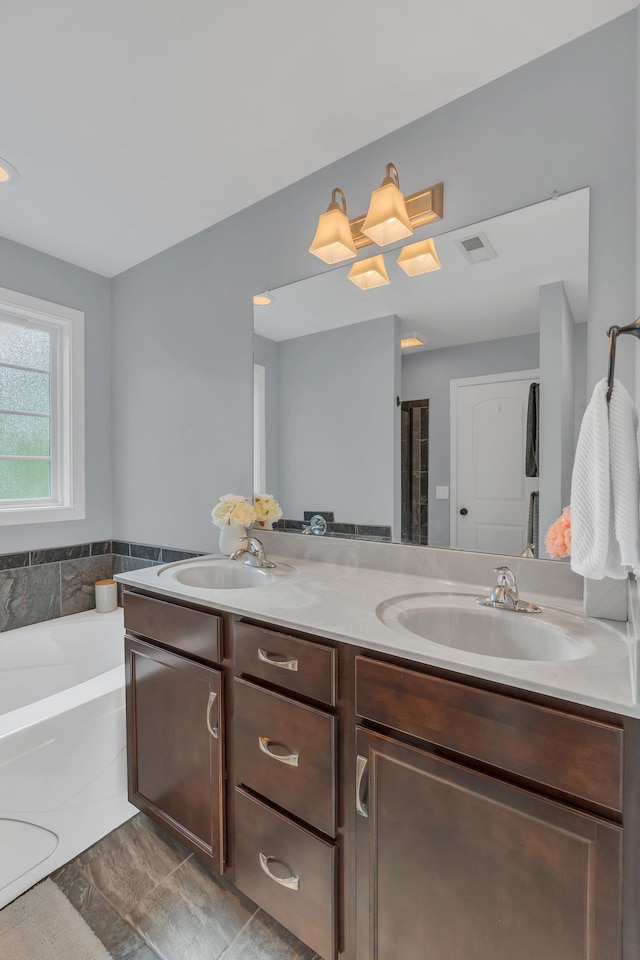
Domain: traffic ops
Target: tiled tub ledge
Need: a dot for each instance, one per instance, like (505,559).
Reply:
(48,583)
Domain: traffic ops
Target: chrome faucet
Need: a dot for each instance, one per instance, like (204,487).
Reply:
(254,554)
(505,595)
(317,525)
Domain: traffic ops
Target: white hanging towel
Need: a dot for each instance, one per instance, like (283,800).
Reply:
(605,488)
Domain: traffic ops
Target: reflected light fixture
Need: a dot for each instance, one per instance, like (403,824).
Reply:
(370,273)
(8,173)
(413,340)
(263,299)
(419,258)
(333,241)
(387,218)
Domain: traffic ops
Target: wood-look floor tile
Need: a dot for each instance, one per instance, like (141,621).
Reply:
(265,939)
(128,863)
(192,915)
(115,935)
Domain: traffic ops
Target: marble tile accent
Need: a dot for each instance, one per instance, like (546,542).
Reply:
(55,554)
(173,556)
(146,552)
(77,582)
(9,561)
(264,939)
(121,547)
(127,864)
(327,514)
(114,933)
(29,595)
(101,547)
(192,913)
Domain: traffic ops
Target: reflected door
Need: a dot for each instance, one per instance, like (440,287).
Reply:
(491,496)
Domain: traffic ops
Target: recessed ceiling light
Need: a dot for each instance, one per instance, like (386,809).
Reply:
(8,173)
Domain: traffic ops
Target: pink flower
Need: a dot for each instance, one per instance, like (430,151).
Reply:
(558,539)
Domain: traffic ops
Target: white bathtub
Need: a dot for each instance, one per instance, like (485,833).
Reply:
(63,781)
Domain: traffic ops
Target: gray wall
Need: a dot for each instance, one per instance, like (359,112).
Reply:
(427,376)
(39,275)
(183,320)
(266,352)
(337,422)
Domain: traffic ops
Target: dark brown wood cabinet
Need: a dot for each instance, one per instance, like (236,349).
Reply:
(455,863)
(175,729)
(379,808)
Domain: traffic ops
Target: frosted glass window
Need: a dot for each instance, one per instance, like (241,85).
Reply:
(25,410)
(24,346)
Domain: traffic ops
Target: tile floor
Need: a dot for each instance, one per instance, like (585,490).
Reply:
(146,897)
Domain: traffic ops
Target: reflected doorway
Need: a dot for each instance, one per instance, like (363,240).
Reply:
(414,471)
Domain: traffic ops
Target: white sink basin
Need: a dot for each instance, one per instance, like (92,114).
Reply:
(455,620)
(216,573)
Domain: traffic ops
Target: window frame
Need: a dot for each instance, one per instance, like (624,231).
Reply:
(67,443)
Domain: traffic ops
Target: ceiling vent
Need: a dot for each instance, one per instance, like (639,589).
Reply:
(476,248)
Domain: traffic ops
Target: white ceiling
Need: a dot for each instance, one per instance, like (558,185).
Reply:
(461,302)
(137,123)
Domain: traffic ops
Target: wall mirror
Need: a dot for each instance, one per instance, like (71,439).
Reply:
(445,443)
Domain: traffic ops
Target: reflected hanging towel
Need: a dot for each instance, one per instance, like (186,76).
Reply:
(533,431)
(605,488)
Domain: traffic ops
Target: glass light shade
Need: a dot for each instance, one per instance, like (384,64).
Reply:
(411,342)
(370,273)
(333,241)
(387,218)
(419,258)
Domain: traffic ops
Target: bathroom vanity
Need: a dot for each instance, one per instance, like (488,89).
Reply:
(378,799)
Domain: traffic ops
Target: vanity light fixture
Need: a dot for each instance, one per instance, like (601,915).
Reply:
(417,258)
(333,241)
(338,238)
(8,173)
(263,299)
(387,219)
(370,273)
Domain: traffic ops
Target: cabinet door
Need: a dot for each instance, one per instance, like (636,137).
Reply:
(455,864)
(175,756)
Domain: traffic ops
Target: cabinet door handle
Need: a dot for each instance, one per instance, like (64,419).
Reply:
(290,758)
(277,660)
(361,769)
(290,882)
(214,731)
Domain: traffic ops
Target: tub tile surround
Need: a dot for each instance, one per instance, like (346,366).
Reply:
(146,897)
(45,584)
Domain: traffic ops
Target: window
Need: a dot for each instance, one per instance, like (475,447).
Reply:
(41,410)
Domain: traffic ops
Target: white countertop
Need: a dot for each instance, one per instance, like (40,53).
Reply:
(339,602)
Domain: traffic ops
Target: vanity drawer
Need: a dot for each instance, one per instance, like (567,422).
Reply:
(267,841)
(192,632)
(297,665)
(286,752)
(578,756)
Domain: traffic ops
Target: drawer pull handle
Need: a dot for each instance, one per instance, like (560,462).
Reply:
(214,731)
(290,882)
(290,758)
(361,769)
(277,660)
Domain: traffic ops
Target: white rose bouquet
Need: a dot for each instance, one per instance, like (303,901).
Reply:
(267,510)
(233,509)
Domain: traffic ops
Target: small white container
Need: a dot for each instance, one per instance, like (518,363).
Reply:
(106,596)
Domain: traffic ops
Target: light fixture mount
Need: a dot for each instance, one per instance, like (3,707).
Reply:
(8,173)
